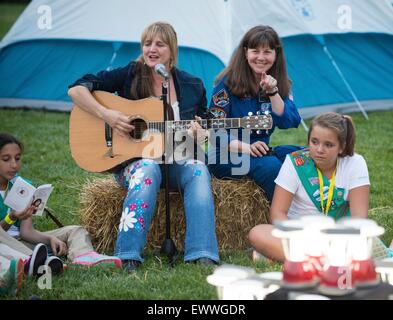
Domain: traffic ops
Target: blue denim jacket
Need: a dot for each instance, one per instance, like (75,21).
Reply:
(191,94)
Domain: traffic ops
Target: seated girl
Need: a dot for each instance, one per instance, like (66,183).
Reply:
(329,167)
(17,230)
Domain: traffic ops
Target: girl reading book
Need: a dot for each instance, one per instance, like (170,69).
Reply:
(17,230)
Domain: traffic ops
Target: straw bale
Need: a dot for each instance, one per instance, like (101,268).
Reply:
(239,205)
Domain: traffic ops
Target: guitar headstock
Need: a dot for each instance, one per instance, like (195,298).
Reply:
(262,122)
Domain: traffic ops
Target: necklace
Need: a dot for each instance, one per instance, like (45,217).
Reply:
(330,193)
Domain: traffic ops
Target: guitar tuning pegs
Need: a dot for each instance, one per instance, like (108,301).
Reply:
(250,113)
(267,112)
(258,113)
(259,131)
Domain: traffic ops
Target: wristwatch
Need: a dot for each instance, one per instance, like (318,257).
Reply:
(272,93)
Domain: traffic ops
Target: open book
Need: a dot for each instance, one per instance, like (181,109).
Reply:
(23,194)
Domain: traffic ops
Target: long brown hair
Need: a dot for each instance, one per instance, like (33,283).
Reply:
(342,125)
(240,78)
(142,86)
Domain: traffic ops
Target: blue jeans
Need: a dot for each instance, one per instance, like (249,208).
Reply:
(263,170)
(143,178)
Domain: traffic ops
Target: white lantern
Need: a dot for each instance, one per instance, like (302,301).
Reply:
(298,271)
(252,288)
(362,265)
(313,224)
(385,268)
(225,275)
(336,277)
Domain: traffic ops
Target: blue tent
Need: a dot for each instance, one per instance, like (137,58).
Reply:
(339,56)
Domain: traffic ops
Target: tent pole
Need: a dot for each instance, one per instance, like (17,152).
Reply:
(304,125)
(345,82)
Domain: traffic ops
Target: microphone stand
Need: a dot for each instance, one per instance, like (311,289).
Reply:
(168,247)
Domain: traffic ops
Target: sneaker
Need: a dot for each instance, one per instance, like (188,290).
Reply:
(55,265)
(380,250)
(131,266)
(93,258)
(11,281)
(37,259)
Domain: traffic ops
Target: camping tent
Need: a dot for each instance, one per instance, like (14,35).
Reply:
(337,51)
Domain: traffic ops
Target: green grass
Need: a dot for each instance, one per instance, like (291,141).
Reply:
(9,14)
(47,159)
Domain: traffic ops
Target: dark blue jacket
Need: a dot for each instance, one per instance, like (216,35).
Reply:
(191,93)
(236,107)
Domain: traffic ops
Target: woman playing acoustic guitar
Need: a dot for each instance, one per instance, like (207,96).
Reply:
(142,178)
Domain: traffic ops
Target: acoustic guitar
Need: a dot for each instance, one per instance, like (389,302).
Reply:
(96,149)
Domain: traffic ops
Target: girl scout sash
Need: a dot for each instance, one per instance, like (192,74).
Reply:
(304,165)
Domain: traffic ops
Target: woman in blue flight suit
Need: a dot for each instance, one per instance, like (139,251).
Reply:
(255,82)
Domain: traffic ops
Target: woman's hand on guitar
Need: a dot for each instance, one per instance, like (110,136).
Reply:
(119,122)
(197,131)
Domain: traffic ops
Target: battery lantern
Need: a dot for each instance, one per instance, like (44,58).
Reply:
(298,272)
(362,264)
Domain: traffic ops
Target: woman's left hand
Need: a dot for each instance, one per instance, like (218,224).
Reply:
(197,131)
(267,83)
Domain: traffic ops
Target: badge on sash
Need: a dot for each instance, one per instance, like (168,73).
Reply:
(299,161)
(314,180)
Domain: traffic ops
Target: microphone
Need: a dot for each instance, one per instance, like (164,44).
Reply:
(160,69)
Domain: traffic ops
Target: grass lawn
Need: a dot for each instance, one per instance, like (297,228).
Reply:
(9,14)
(47,159)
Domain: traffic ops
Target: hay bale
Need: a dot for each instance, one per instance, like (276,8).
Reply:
(239,205)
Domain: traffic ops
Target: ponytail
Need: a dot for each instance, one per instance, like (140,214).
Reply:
(350,136)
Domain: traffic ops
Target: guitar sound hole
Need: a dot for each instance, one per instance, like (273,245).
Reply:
(140,127)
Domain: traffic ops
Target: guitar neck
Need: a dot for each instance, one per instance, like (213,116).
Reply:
(183,125)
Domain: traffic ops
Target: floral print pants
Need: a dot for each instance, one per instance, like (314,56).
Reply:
(143,179)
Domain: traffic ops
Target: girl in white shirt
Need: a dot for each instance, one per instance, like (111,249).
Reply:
(330,167)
